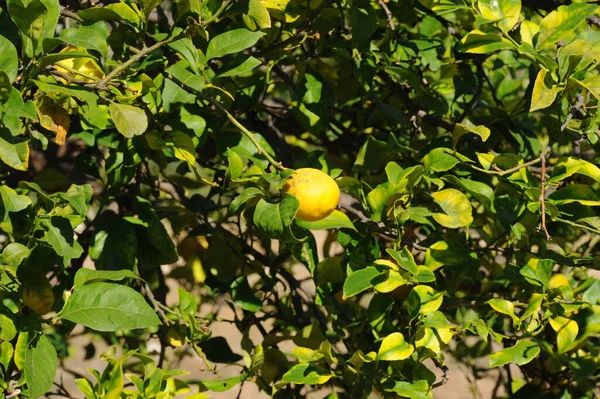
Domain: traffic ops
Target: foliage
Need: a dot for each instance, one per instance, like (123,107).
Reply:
(145,143)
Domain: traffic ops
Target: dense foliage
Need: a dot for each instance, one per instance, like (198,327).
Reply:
(144,145)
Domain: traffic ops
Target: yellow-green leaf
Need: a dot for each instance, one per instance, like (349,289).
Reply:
(522,353)
(460,130)
(567,331)
(478,42)
(505,12)
(394,347)
(544,92)
(456,209)
(559,23)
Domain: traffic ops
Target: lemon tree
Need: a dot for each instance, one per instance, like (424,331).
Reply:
(302,198)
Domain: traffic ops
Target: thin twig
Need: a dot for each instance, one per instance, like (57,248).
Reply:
(155,304)
(251,136)
(390,17)
(70,14)
(543,193)
(516,168)
(189,31)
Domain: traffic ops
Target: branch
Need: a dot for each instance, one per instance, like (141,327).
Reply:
(70,14)
(117,71)
(189,31)
(543,193)
(516,168)
(388,13)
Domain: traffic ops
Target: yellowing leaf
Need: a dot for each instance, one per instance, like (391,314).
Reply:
(54,118)
(478,42)
(559,23)
(394,347)
(567,331)
(505,307)
(460,130)
(393,281)
(544,92)
(433,338)
(456,209)
(505,12)
(424,300)
(528,31)
(38,295)
(568,166)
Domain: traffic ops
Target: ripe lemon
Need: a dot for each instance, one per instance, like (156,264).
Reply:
(87,67)
(558,280)
(316,191)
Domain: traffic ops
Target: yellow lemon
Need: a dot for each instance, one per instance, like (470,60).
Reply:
(558,280)
(316,191)
(87,67)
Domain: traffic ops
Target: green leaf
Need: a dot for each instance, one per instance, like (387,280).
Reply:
(82,93)
(130,121)
(412,390)
(30,17)
(14,151)
(217,350)
(533,306)
(505,307)
(522,353)
(505,12)
(306,374)
(40,366)
(460,130)
(224,384)
(111,12)
(12,202)
(244,297)
(155,246)
(440,160)
(115,243)
(232,41)
(275,218)
(335,220)
(13,254)
(580,193)
(405,259)
(108,307)
(247,65)
(87,37)
(363,19)
(567,331)
(456,207)
(559,23)
(394,347)
(58,233)
(544,91)
(360,281)
(478,42)
(7,328)
(181,74)
(243,197)
(538,271)
(9,62)
(257,16)
(86,276)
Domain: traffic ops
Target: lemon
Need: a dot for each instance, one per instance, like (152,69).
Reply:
(316,191)
(87,67)
(558,280)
